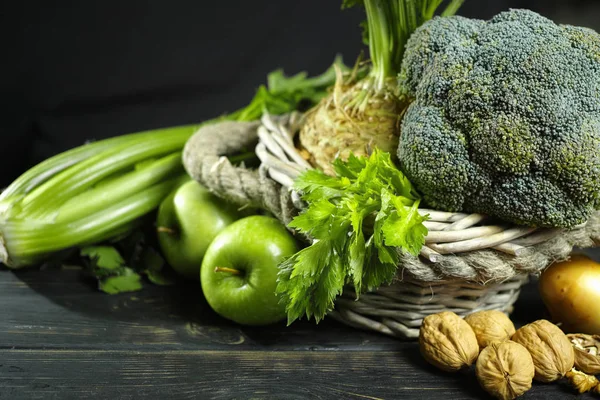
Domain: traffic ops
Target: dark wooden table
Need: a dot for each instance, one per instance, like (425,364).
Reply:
(62,339)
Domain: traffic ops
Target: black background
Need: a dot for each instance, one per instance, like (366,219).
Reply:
(78,70)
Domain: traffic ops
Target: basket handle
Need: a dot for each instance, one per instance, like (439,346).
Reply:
(204,160)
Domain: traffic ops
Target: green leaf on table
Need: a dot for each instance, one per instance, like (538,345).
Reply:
(130,281)
(103,257)
(107,265)
(143,258)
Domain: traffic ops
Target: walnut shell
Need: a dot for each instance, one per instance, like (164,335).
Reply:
(447,341)
(505,370)
(490,326)
(550,349)
(587,352)
(581,381)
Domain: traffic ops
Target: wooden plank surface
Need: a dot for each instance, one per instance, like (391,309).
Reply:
(62,339)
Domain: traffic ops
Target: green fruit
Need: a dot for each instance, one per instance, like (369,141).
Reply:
(188,220)
(239,271)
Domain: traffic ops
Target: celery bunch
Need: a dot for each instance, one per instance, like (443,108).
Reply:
(88,194)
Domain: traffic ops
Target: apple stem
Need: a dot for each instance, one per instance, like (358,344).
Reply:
(164,229)
(231,271)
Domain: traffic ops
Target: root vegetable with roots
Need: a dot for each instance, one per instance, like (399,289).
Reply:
(364,113)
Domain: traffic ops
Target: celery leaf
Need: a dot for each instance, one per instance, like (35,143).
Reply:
(103,257)
(361,220)
(130,281)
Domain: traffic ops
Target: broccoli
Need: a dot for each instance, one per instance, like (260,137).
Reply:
(505,118)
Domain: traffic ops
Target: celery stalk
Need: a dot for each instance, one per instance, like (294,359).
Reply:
(89,194)
(44,200)
(120,188)
(26,242)
(50,167)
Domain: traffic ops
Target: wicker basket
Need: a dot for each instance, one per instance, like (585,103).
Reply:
(469,263)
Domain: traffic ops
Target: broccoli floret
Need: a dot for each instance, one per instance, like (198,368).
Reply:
(505,118)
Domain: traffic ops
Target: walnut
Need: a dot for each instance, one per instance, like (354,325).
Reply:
(581,381)
(490,326)
(447,341)
(505,369)
(551,350)
(586,349)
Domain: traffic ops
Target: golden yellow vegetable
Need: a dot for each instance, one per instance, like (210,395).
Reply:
(571,292)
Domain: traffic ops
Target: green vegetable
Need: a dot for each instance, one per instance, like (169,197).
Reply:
(359,220)
(119,265)
(364,112)
(505,119)
(128,282)
(106,264)
(34,222)
(101,190)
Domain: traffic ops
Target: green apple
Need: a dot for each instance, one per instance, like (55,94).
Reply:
(239,271)
(188,220)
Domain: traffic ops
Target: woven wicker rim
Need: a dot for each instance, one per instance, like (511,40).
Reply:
(449,233)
